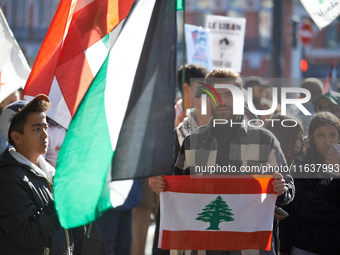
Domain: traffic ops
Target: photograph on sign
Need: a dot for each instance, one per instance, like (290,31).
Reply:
(198,46)
(227,40)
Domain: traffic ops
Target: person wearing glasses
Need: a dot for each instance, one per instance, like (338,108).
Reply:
(328,102)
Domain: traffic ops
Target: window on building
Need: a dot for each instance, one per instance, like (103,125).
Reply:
(265,27)
(333,35)
(31,16)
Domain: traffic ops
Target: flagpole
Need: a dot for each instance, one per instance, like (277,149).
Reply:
(180,252)
(183,52)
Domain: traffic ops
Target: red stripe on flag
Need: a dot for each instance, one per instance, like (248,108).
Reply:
(88,25)
(216,185)
(216,240)
(42,73)
(92,23)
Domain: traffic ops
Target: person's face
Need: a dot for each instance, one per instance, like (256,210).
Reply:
(224,111)
(193,88)
(33,142)
(258,93)
(298,142)
(323,136)
(324,105)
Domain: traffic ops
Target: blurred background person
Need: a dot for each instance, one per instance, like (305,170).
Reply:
(328,102)
(15,96)
(190,71)
(259,87)
(314,221)
(290,139)
(266,104)
(315,87)
(142,215)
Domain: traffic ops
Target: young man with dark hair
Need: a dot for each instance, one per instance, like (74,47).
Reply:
(28,220)
(194,71)
(236,145)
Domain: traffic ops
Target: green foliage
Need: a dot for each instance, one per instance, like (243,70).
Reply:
(216,212)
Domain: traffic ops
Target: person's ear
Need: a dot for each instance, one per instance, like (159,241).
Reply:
(197,103)
(16,137)
(186,88)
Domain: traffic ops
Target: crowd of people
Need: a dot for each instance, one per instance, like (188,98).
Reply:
(30,142)
(311,200)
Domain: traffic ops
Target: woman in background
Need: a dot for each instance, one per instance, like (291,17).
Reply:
(314,221)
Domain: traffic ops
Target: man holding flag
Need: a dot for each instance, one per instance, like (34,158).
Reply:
(244,145)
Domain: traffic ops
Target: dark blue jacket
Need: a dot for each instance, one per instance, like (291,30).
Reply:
(29,224)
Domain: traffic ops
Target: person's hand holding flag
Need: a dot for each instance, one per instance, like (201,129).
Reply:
(278,183)
(157,184)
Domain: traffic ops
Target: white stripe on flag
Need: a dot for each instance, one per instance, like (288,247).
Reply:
(252,212)
(120,75)
(60,113)
(119,191)
(96,55)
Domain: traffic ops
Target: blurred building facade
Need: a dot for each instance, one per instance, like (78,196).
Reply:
(320,54)
(30,19)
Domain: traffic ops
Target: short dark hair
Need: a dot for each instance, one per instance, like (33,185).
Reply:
(191,71)
(225,73)
(313,85)
(19,120)
(251,81)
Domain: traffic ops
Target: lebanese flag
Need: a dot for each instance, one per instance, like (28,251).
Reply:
(75,47)
(217,213)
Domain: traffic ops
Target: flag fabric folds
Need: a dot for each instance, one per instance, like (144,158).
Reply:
(123,127)
(216,213)
(73,51)
(14,69)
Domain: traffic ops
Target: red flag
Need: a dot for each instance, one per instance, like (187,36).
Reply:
(75,47)
(217,213)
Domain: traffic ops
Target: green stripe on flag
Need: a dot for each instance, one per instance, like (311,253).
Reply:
(106,40)
(89,179)
(180,5)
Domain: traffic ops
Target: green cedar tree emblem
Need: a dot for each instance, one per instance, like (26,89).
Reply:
(215,212)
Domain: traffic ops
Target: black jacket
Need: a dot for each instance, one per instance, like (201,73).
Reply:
(314,220)
(29,224)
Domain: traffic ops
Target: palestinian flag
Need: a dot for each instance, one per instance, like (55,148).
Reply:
(74,49)
(123,127)
(216,213)
(14,69)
